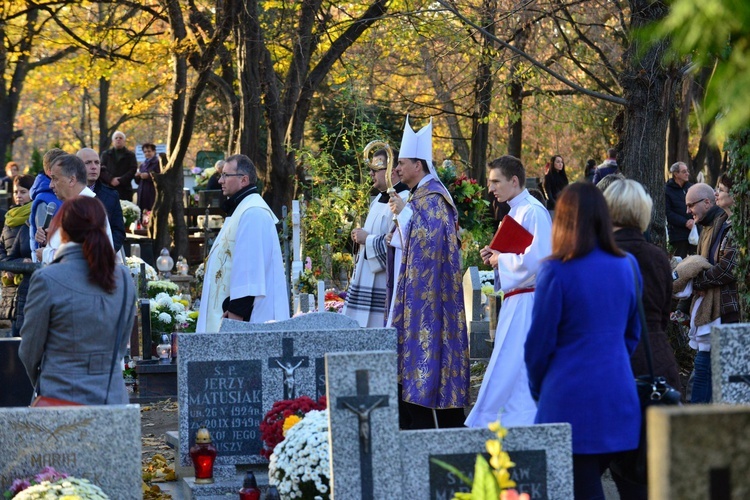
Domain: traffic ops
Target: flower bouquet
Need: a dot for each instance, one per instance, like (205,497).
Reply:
(130,212)
(50,484)
(299,465)
(491,479)
(272,427)
(168,313)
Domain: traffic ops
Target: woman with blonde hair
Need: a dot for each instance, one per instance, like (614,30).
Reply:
(630,208)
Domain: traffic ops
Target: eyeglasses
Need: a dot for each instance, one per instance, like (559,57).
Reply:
(224,176)
(691,205)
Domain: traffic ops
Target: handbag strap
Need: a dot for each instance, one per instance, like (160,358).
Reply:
(119,333)
(642,316)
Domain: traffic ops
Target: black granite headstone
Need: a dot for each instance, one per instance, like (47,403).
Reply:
(226,397)
(529,473)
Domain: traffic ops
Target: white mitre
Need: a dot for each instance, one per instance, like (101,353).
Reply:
(417,145)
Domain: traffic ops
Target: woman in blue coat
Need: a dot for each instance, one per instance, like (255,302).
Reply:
(584,328)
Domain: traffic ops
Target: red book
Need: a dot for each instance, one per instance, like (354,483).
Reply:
(511,237)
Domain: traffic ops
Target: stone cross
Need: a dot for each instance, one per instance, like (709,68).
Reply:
(362,405)
(288,363)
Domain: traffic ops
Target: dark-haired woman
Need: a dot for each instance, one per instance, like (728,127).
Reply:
(15,245)
(584,328)
(75,309)
(554,181)
(146,189)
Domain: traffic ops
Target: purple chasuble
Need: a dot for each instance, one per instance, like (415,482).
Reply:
(433,348)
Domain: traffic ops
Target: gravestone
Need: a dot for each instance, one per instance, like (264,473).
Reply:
(477,326)
(699,452)
(542,454)
(363,422)
(98,443)
(228,381)
(730,363)
(371,458)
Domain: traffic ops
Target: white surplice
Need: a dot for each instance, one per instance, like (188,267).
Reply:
(245,260)
(505,388)
(365,299)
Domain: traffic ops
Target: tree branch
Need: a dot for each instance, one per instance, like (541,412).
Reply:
(598,95)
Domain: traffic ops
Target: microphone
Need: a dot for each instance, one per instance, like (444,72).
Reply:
(51,207)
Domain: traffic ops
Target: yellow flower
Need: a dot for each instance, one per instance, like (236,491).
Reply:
(289,422)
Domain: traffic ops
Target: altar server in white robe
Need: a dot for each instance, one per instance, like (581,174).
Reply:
(365,300)
(244,277)
(505,392)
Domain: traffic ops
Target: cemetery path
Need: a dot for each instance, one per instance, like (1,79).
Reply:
(157,459)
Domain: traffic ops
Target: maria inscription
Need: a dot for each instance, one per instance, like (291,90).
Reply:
(227,398)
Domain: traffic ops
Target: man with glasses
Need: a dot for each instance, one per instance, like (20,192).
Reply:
(700,202)
(365,299)
(68,181)
(679,222)
(244,277)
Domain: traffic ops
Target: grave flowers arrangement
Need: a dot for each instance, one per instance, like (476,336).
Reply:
(282,416)
(299,465)
(168,313)
(492,479)
(334,302)
(468,195)
(50,484)
(130,212)
(162,286)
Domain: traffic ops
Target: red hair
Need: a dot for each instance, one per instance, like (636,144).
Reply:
(84,220)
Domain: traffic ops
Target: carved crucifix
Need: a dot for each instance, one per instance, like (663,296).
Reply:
(362,405)
(288,363)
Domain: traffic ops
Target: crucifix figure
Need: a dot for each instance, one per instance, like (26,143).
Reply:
(289,377)
(362,405)
(363,413)
(288,363)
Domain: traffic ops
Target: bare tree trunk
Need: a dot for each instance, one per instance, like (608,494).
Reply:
(515,99)
(649,88)
(480,126)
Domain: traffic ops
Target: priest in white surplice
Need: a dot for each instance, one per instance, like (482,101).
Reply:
(244,277)
(365,299)
(505,387)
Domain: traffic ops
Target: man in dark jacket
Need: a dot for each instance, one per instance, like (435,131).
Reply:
(105,194)
(679,222)
(608,167)
(119,166)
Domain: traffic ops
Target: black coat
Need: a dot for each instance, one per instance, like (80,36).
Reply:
(657,298)
(554,182)
(677,216)
(123,165)
(111,201)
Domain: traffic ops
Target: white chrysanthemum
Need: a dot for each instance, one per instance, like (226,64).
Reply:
(165,318)
(181,317)
(176,307)
(301,460)
(163,299)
